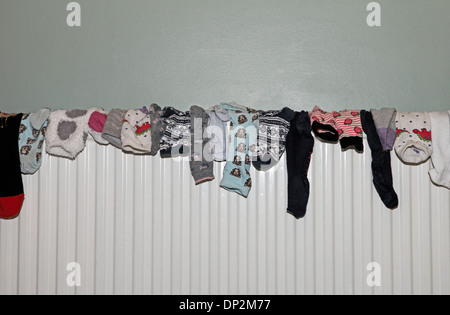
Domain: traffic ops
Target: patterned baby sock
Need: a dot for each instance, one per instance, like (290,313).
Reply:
(348,124)
(273,129)
(136,137)
(177,136)
(324,125)
(31,140)
(11,185)
(67,132)
(413,144)
(201,163)
(242,146)
(158,127)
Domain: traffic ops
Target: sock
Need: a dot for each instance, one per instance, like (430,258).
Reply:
(31,140)
(201,163)
(348,124)
(440,159)
(11,186)
(381,163)
(273,129)
(217,132)
(324,125)
(385,123)
(299,148)
(176,141)
(67,132)
(112,130)
(158,127)
(413,144)
(242,146)
(96,124)
(136,137)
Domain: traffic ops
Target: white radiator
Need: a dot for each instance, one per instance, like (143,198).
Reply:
(139,225)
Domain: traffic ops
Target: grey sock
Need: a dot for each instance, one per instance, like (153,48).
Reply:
(158,127)
(112,130)
(202,165)
(385,123)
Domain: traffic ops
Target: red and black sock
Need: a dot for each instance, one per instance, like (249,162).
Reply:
(11,185)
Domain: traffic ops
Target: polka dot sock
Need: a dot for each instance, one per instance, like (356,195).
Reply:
(413,143)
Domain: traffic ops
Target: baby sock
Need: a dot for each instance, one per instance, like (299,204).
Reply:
(112,130)
(157,129)
(324,125)
(242,146)
(299,148)
(217,132)
(11,185)
(348,124)
(273,129)
(177,136)
(67,132)
(385,124)
(381,163)
(413,144)
(440,159)
(136,137)
(96,124)
(31,140)
(201,163)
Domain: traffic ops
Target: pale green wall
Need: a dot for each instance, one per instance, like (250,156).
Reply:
(261,53)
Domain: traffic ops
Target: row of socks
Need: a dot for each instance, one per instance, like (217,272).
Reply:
(257,138)
(140,134)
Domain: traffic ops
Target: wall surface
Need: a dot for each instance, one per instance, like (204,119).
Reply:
(261,53)
(139,225)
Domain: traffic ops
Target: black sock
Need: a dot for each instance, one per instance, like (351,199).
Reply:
(299,147)
(381,163)
(11,185)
